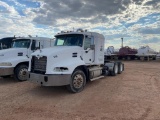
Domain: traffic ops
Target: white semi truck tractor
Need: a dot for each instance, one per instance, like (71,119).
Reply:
(15,60)
(77,57)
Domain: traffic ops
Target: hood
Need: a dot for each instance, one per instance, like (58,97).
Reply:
(57,50)
(61,56)
(11,53)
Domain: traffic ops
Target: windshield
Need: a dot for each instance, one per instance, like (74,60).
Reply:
(6,43)
(69,40)
(3,46)
(21,43)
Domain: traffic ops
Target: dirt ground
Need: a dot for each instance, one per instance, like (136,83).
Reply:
(132,95)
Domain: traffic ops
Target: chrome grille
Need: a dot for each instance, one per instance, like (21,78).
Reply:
(38,65)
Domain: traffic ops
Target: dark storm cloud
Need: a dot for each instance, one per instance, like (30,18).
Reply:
(75,9)
(154,3)
(80,10)
(138,2)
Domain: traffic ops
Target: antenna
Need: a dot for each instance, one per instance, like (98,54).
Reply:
(80,30)
(122,42)
(30,36)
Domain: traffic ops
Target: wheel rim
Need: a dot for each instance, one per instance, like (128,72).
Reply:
(78,81)
(22,74)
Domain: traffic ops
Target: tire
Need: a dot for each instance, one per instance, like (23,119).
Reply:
(154,58)
(120,68)
(78,81)
(115,58)
(141,58)
(128,58)
(133,58)
(115,70)
(21,73)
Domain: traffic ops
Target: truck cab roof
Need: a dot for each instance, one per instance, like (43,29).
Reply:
(34,38)
(81,33)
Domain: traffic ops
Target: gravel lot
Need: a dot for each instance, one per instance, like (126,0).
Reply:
(132,95)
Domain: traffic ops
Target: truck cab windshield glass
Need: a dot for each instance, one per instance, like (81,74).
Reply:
(21,43)
(69,40)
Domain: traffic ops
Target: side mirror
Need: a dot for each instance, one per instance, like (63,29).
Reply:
(92,47)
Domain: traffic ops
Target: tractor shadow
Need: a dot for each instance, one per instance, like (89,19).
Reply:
(9,80)
(52,91)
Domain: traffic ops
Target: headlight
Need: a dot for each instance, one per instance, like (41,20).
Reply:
(60,69)
(5,64)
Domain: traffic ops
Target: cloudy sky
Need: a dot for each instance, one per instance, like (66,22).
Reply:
(137,21)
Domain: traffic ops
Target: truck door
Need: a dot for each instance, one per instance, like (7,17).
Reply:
(88,53)
(32,48)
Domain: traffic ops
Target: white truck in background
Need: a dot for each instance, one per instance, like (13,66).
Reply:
(145,52)
(110,53)
(77,57)
(15,60)
(158,56)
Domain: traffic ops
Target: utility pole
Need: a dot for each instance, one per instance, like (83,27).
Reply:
(122,42)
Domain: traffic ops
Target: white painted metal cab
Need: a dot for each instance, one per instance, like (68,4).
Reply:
(15,61)
(77,57)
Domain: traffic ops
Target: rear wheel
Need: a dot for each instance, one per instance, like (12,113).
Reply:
(115,70)
(128,58)
(154,58)
(21,72)
(120,68)
(78,81)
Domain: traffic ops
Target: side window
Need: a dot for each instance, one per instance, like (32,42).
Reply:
(60,42)
(33,47)
(87,42)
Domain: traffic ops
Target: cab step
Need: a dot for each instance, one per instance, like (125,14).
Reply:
(97,78)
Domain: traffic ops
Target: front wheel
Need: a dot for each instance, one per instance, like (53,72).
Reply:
(21,73)
(78,81)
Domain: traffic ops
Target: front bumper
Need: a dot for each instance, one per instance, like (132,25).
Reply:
(49,80)
(6,71)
